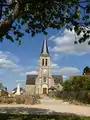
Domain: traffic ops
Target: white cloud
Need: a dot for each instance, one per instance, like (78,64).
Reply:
(9,61)
(65,44)
(69,70)
(3,55)
(65,77)
(5,63)
(54,65)
(32,73)
(65,71)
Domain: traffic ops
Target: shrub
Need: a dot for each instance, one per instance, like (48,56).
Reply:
(20,99)
(10,100)
(82,96)
(29,99)
(4,93)
(26,99)
(7,100)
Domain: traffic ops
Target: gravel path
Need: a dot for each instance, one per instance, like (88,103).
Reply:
(60,106)
(47,106)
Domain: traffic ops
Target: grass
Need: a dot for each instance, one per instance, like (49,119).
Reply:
(41,117)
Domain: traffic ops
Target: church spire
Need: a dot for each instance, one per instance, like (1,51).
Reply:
(45,48)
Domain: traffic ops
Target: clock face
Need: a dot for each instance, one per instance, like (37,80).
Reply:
(45,70)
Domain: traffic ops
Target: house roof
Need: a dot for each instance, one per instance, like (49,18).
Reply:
(31,79)
(15,90)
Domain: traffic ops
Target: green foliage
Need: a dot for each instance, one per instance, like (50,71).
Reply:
(10,38)
(77,83)
(86,71)
(2,87)
(42,117)
(77,88)
(76,97)
(36,16)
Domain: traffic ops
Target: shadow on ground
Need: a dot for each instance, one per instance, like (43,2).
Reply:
(36,114)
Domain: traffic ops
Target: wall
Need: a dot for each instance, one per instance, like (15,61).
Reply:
(30,89)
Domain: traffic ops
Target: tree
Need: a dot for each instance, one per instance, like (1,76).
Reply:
(79,83)
(86,71)
(67,85)
(35,16)
(1,86)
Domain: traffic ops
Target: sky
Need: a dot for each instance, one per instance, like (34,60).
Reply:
(67,58)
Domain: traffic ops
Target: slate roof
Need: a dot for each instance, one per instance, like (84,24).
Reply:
(15,90)
(58,79)
(42,51)
(30,80)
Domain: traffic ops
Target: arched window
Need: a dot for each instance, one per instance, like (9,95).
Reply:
(42,62)
(46,62)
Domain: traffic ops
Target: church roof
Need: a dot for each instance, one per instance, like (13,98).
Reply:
(44,51)
(31,79)
(58,79)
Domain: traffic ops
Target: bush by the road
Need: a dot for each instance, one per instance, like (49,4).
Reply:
(19,99)
(81,96)
(77,88)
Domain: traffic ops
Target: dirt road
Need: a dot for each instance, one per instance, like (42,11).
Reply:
(50,105)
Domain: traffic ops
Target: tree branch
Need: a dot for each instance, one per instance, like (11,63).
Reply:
(6,25)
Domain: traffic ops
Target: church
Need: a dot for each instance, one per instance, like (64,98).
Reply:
(44,80)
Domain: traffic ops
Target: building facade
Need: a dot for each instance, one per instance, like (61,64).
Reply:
(44,80)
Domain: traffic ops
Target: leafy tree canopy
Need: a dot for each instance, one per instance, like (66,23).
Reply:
(77,83)
(2,87)
(35,16)
(86,71)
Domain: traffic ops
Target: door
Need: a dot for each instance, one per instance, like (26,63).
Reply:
(44,90)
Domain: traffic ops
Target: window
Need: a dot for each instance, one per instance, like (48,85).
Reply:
(42,62)
(46,62)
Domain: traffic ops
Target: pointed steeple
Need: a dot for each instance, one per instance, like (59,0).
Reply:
(44,50)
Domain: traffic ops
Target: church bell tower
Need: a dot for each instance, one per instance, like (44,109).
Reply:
(44,80)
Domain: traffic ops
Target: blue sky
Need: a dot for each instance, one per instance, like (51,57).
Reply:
(67,58)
